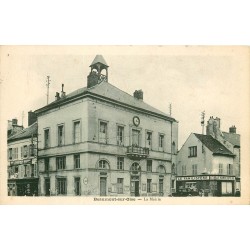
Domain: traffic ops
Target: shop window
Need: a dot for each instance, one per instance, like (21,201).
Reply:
(226,188)
(192,151)
(120,135)
(149,187)
(120,185)
(77,161)
(149,165)
(61,162)
(120,163)
(194,169)
(46,138)
(103,132)
(61,186)
(76,132)
(60,135)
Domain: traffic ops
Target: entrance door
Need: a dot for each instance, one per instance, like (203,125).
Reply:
(135,190)
(77,186)
(103,184)
(47,187)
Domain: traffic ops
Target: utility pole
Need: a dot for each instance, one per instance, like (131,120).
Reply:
(170,109)
(47,84)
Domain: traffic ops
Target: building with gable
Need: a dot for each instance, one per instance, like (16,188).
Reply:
(22,160)
(101,141)
(210,162)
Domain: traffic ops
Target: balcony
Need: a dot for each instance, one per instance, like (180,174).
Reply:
(137,153)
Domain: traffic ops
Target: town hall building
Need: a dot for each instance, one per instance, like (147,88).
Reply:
(101,141)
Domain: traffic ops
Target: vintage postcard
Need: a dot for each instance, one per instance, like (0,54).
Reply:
(124,125)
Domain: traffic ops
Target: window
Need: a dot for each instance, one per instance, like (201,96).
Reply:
(161,169)
(46,164)
(135,167)
(120,135)
(149,140)
(32,150)
(60,135)
(184,170)
(230,169)
(103,164)
(149,181)
(10,153)
(135,138)
(61,186)
(103,133)
(61,162)
(149,165)
(161,141)
(194,169)
(173,169)
(120,185)
(192,151)
(46,138)
(77,186)
(220,168)
(120,163)
(76,135)
(25,151)
(77,161)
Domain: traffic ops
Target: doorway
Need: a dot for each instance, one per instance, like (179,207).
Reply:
(47,187)
(77,186)
(135,186)
(103,186)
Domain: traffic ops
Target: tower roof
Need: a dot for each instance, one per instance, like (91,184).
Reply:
(99,59)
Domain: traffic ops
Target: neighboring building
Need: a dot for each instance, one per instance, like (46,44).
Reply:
(13,127)
(211,162)
(99,140)
(22,162)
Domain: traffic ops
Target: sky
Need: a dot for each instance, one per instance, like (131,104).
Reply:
(191,79)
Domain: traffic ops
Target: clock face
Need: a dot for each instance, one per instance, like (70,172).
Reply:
(136,121)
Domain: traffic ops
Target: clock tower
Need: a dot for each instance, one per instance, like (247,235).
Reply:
(98,68)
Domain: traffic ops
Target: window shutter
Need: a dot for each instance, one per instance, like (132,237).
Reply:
(22,152)
(28,150)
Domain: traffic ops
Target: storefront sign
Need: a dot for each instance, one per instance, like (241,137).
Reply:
(206,177)
(192,178)
(19,162)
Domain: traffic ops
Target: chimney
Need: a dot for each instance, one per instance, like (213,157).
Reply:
(232,130)
(57,96)
(63,94)
(14,121)
(32,118)
(138,94)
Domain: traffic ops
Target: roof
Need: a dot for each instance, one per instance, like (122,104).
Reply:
(214,145)
(99,59)
(108,91)
(25,133)
(232,138)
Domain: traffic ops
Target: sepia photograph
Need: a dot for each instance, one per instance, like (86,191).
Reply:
(125,124)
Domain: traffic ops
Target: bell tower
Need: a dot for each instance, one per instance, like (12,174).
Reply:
(96,75)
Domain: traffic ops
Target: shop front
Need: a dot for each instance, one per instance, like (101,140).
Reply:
(23,187)
(206,185)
